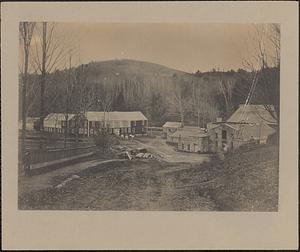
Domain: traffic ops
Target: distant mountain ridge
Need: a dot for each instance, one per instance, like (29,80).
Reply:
(128,66)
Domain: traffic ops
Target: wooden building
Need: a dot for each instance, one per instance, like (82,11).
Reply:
(32,123)
(117,122)
(169,128)
(190,139)
(88,123)
(56,122)
(251,123)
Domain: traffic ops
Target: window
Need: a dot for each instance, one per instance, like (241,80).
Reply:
(216,135)
(182,146)
(224,134)
(189,147)
(216,144)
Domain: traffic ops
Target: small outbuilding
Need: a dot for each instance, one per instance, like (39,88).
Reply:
(169,128)
(31,123)
(56,122)
(190,139)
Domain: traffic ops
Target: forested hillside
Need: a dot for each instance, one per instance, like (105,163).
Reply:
(159,92)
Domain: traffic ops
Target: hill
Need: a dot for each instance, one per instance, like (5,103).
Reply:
(133,85)
(125,68)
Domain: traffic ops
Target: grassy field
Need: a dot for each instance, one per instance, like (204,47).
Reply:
(244,181)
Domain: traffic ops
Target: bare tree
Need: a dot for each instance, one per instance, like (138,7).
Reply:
(26,30)
(226,87)
(105,97)
(84,97)
(49,52)
(31,94)
(265,60)
(204,107)
(69,92)
(179,99)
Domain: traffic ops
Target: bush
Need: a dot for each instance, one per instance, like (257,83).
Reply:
(104,140)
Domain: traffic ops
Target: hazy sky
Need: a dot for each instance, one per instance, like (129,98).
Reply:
(186,47)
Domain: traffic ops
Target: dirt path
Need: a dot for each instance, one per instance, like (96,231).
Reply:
(167,152)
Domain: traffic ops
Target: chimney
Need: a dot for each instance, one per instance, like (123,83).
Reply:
(219,119)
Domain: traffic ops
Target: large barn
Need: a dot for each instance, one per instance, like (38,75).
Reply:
(118,122)
(88,123)
(250,123)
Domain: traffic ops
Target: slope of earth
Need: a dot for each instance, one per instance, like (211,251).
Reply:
(245,181)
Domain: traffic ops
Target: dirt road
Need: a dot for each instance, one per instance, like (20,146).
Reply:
(166,152)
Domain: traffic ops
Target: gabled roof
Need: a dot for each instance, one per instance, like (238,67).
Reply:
(32,119)
(252,114)
(216,125)
(235,127)
(115,116)
(58,117)
(172,125)
(189,132)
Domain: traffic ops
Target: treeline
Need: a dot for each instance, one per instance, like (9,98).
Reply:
(194,99)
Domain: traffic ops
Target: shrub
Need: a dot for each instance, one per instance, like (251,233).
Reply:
(104,140)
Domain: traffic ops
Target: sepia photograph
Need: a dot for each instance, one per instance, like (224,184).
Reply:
(177,117)
(149,125)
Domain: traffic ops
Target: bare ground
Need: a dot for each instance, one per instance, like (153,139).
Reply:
(165,151)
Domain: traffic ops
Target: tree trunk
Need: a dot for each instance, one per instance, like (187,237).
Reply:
(24,91)
(181,114)
(43,74)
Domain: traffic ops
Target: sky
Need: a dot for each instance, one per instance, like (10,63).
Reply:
(186,47)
